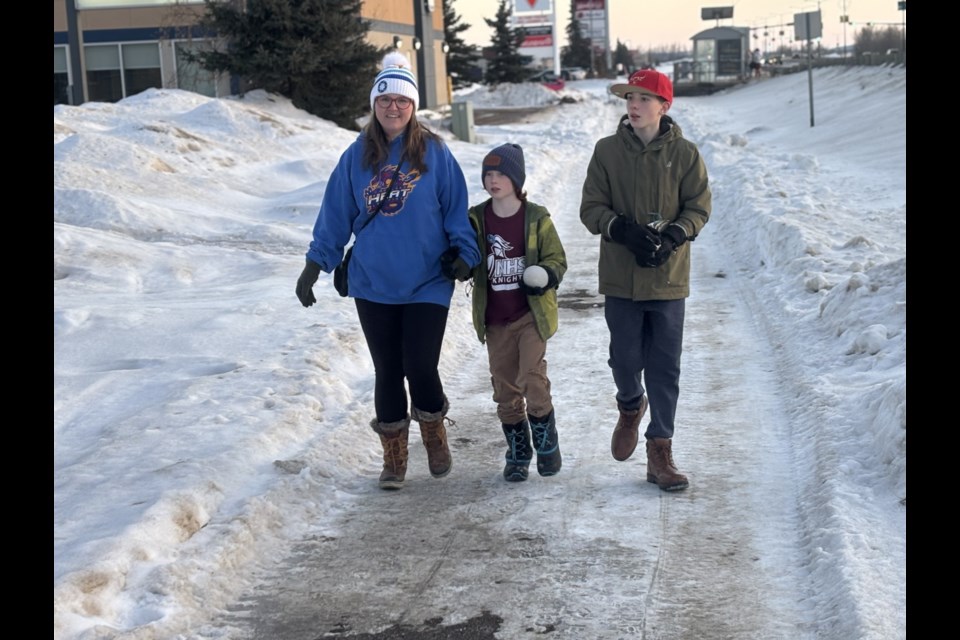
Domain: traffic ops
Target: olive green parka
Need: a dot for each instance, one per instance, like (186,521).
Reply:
(543,247)
(627,177)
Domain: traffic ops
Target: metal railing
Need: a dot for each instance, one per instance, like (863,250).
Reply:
(792,65)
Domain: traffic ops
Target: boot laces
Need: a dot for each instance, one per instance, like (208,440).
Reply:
(393,450)
(518,444)
(433,435)
(541,437)
(665,455)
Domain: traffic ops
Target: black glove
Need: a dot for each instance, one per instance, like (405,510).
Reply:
(452,265)
(306,281)
(640,239)
(670,240)
(539,291)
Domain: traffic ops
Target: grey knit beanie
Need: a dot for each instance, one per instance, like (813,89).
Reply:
(508,160)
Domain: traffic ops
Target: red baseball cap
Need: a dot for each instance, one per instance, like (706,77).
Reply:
(648,81)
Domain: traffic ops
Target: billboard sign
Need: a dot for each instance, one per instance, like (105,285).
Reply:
(530,6)
(532,19)
(592,17)
(593,24)
(538,36)
(716,13)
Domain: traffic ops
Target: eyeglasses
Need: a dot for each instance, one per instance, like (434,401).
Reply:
(386,101)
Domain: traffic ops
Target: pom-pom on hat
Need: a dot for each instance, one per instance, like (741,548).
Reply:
(508,160)
(396,78)
(648,81)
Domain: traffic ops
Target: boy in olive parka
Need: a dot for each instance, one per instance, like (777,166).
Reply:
(513,318)
(647,195)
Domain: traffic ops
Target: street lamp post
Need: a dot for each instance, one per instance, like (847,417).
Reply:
(902,6)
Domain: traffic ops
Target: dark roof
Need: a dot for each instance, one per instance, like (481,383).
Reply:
(722,33)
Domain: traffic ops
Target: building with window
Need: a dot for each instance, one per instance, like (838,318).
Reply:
(107,50)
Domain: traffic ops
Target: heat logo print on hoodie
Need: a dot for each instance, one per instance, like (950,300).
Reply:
(403,185)
(503,272)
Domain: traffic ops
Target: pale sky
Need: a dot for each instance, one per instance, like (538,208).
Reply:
(645,23)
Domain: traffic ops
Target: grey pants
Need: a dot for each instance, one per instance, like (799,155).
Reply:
(646,339)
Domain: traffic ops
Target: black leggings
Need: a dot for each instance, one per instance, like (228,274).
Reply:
(404,341)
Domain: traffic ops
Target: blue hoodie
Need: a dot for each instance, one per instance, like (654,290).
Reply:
(396,257)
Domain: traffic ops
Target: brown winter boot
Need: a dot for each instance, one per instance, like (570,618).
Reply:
(660,467)
(434,436)
(625,434)
(393,437)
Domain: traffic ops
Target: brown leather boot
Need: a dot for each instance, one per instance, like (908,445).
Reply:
(434,436)
(393,437)
(660,467)
(626,433)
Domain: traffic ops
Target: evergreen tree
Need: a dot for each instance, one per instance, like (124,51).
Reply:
(462,57)
(508,65)
(577,51)
(622,55)
(313,52)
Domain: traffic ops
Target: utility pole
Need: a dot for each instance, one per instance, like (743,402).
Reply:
(844,19)
(902,6)
(593,51)
(75,46)
(556,40)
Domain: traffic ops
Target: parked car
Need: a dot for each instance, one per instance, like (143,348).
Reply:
(548,78)
(546,75)
(573,73)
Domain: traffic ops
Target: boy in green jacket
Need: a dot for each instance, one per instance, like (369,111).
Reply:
(515,313)
(646,194)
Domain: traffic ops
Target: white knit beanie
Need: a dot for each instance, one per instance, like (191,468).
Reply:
(396,78)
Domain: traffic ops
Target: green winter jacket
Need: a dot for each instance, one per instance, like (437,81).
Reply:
(543,248)
(624,176)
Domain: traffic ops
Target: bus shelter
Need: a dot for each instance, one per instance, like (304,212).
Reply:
(720,58)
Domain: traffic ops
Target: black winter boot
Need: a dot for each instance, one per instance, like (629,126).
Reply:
(519,452)
(547,444)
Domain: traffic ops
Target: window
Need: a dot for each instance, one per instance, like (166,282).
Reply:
(61,76)
(141,67)
(705,69)
(103,73)
(117,71)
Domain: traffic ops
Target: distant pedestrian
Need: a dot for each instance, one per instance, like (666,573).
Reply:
(646,194)
(514,314)
(756,63)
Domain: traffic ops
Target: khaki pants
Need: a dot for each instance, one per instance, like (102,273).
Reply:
(518,370)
